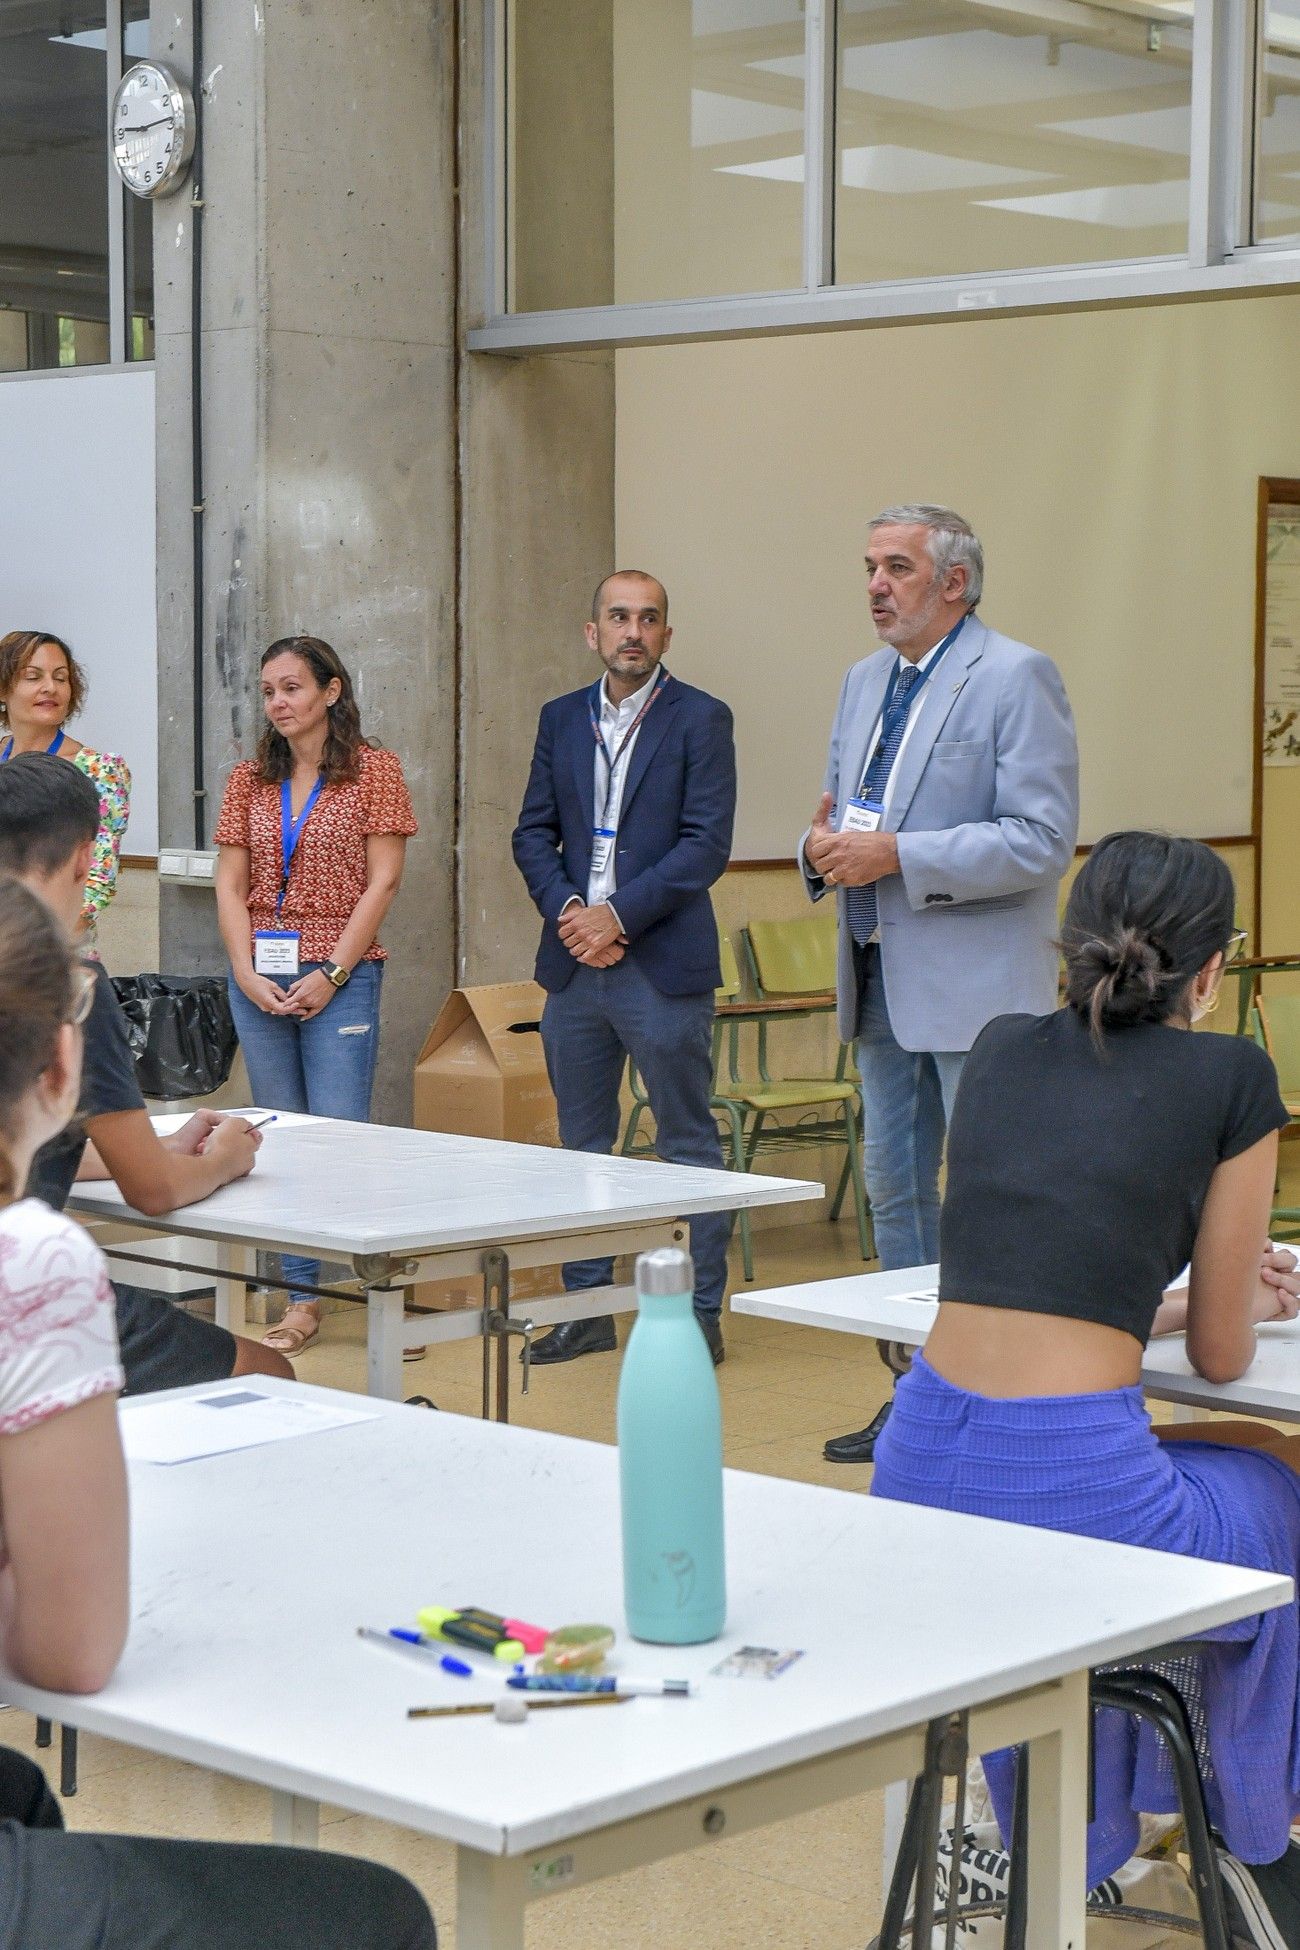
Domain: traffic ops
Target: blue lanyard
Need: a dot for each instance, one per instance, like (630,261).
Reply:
(893,715)
(291,831)
(8,751)
(593,711)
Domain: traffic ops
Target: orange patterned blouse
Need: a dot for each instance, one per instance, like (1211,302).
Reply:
(328,873)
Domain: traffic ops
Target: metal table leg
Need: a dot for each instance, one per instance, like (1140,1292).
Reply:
(295,1822)
(385,1315)
(489,1902)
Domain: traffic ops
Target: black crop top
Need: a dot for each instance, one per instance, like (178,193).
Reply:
(1076,1179)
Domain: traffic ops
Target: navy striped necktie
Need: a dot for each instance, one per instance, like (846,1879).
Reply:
(861,901)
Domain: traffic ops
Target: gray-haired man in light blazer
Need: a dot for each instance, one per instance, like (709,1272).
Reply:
(949,815)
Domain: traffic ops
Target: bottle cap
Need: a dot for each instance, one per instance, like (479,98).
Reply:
(666,1270)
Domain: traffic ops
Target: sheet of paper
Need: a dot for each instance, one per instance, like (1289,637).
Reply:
(215,1424)
(168,1122)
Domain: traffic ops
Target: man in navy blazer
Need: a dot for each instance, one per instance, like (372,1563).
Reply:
(626,823)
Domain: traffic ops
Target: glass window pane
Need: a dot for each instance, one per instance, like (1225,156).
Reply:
(137,210)
(54,197)
(975,140)
(1277,196)
(655,149)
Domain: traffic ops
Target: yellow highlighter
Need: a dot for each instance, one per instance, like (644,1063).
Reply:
(444,1622)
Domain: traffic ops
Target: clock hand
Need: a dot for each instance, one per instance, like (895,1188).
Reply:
(138,128)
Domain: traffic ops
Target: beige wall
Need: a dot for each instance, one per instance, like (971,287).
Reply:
(128,933)
(1109,460)
(1280,892)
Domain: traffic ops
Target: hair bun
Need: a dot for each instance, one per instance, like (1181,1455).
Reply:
(1120,977)
(1145,914)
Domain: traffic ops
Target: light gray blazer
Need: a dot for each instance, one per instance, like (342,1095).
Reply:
(986,808)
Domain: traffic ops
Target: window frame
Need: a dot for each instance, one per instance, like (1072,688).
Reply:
(119,359)
(1221,257)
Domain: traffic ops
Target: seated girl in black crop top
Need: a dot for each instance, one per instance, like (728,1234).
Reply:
(1077,1172)
(1091,1154)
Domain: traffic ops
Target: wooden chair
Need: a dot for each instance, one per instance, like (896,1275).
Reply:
(728,991)
(754,1111)
(794,961)
(798,958)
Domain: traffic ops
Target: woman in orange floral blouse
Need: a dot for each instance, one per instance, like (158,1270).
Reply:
(313,838)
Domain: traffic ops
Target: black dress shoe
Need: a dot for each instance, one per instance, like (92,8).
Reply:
(860,1447)
(711,1328)
(574,1337)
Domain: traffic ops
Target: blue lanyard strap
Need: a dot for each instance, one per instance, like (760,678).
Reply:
(291,831)
(892,715)
(593,710)
(52,747)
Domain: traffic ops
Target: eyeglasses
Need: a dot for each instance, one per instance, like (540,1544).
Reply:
(1236,946)
(83,995)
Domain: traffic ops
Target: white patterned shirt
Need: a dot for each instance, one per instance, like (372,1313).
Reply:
(58,1325)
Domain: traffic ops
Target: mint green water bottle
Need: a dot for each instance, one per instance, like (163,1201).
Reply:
(670,1463)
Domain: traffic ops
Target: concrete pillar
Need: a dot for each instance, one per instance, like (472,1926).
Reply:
(329,426)
(537,529)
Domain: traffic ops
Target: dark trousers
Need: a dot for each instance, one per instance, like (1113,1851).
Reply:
(589,1029)
(122,1892)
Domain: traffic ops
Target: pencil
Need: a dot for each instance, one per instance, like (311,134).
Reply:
(489,1706)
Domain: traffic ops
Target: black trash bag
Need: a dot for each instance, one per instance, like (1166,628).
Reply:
(181,1031)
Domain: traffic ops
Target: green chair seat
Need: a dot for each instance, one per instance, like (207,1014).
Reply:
(805,954)
(793,1093)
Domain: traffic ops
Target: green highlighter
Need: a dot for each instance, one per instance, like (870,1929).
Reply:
(444,1622)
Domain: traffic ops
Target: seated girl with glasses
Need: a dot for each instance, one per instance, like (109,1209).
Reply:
(1092,1153)
(64,1580)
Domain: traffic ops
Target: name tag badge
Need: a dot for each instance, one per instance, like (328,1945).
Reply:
(862,816)
(602,845)
(275,951)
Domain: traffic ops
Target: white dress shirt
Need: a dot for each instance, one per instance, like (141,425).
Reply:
(922,665)
(614,721)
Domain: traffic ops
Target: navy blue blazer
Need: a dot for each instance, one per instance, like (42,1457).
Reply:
(674,833)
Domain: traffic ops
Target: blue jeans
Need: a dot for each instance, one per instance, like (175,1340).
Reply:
(589,1029)
(907,1099)
(325,1066)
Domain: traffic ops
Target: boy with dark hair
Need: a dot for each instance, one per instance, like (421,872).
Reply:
(49,814)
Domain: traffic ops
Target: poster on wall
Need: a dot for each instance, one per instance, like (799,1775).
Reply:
(1281,732)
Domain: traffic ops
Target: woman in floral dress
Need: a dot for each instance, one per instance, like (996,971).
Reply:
(41,686)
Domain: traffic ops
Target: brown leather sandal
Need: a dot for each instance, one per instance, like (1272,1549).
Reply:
(286,1337)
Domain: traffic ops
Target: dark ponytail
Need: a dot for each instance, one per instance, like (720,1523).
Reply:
(1144,916)
(37,994)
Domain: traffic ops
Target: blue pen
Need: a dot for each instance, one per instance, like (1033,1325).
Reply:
(586,1682)
(398,1640)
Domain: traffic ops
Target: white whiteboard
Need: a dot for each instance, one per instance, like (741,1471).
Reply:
(77,553)
(1109,461)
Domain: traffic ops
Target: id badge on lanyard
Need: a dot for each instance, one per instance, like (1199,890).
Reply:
(276,950)
(862,816)
(603,835)
(602,845)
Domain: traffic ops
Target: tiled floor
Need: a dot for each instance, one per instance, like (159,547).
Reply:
(807,1884)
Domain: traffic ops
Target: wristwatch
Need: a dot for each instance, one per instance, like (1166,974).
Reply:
(333,973)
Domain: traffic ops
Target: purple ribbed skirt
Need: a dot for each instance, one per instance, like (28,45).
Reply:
(1091,1465)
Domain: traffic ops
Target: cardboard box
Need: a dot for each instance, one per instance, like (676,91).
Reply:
(482,1073)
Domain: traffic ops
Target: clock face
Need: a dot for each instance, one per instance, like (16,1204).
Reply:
(153,129)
